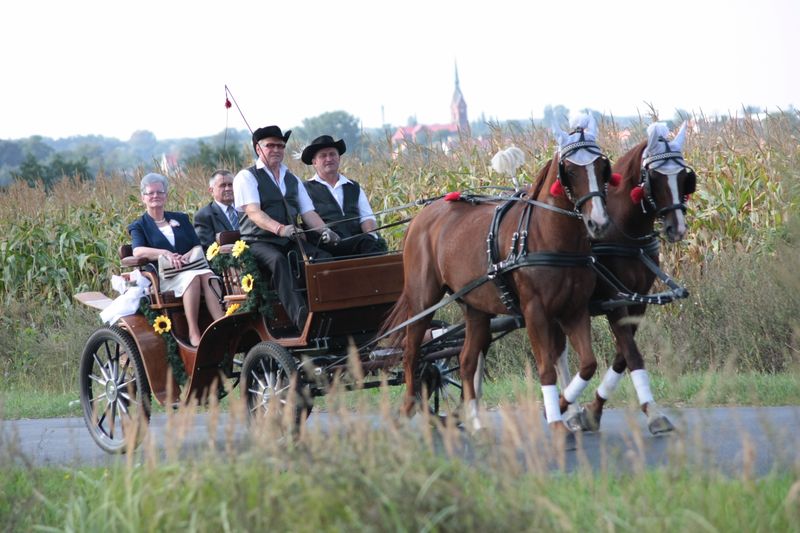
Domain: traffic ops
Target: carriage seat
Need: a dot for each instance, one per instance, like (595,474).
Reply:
(159,300)
(231,276)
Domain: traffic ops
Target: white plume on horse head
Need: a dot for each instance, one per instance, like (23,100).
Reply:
(657,133)
(586,122)
(508,161)
(588,126)
(659,130)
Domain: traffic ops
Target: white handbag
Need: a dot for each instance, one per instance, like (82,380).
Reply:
(197,260)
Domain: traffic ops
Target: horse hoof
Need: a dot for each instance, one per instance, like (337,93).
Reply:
(574,418)
(660,424)
(590,420)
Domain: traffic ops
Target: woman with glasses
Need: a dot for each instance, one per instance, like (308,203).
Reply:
(168,237)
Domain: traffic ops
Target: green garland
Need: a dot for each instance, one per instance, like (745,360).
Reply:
(260,298)
(174,359)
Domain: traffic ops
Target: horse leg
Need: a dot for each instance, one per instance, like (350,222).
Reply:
(573,413)
(629,356)
(579,333)
(623,337)
(476,343)
(547,340)
(414,334)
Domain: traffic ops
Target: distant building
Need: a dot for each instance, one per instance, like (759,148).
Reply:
(445,134)
(170,165)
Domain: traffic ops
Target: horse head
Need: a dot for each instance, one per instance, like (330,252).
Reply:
(666,180)
(583,173)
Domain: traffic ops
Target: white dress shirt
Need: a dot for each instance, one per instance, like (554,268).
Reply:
(245,188)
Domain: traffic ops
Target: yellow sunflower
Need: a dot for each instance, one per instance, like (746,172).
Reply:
(162,324)
(239,247)
(247,283)
(212,251)
(232,309)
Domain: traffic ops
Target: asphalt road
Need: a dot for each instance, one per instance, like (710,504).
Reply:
(731,440)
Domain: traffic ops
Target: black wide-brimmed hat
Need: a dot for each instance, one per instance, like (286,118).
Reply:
(270,131)
(324,141)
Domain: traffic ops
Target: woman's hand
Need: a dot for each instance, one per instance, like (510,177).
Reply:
(175,259)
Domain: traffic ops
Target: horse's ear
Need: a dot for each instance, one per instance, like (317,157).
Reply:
(680,138)
(655,131)
(562,137)
(591,126)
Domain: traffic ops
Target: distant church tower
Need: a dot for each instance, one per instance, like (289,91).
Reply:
(458,109)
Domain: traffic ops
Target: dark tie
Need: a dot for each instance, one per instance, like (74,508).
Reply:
(233,217)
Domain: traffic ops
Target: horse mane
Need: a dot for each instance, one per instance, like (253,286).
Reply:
(541,177)
(630,163)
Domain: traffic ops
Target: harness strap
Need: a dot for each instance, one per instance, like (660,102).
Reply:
(507,295)
(651,248)
(624,296)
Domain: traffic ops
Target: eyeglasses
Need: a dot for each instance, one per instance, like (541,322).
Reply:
(273,146)
(154,193)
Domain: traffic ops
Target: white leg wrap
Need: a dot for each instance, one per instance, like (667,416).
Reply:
(609,384)
(550,397)
(641,382)
(472,415)
(575,388)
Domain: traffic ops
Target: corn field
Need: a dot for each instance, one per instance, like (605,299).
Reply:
(65,241)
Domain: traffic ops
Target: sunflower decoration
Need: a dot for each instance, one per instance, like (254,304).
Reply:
(162,324)
(212,251)
(232,309)
(247,283)
(238,248)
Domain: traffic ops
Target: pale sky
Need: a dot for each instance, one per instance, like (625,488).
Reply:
(111,68)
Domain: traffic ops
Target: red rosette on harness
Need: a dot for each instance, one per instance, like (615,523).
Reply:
(556,189)
(616,179)
(637,194)
(452,196)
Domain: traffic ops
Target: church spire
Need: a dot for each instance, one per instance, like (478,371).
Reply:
(458,107)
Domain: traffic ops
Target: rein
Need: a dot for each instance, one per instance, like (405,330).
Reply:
(625,297)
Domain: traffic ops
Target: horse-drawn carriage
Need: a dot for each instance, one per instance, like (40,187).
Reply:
(544,283)
(276,366)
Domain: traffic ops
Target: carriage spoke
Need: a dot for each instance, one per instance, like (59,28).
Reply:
(101,397)
(100,381)
(101,366)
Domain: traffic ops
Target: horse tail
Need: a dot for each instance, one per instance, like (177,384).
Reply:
(398,314)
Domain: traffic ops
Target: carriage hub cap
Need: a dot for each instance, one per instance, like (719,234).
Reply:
(111,390)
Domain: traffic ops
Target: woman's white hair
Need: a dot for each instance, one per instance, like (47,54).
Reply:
(151,178)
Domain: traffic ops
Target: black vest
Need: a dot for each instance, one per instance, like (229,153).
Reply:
(327,207)
(273,204)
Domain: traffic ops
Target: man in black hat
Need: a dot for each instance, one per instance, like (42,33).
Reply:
(271,198)
(340,202)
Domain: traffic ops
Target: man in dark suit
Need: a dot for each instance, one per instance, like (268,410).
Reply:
(219,215)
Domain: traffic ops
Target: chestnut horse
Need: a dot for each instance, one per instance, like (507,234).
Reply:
(655,184)
(546,277)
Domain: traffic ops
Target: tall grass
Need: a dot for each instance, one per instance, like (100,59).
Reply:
(351,477)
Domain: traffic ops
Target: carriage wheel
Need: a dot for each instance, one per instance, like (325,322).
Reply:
(269,377)
(441,379)
(114,391)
